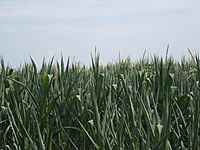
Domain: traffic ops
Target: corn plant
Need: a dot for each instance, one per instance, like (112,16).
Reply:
(150,104)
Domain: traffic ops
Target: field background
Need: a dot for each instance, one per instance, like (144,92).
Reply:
(149,104)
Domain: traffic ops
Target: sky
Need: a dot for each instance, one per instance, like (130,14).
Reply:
(74,27)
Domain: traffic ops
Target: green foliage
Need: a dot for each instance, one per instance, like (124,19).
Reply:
(151,104)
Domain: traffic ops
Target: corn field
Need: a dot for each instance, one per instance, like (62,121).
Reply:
(151,104)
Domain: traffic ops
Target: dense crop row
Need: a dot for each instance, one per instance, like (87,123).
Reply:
(150,104)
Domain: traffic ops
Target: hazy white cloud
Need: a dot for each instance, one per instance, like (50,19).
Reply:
(109,24)
(88,8)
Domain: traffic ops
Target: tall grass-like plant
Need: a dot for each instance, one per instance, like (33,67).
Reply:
(149,104)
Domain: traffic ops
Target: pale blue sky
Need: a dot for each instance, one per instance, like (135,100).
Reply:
(74,27)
